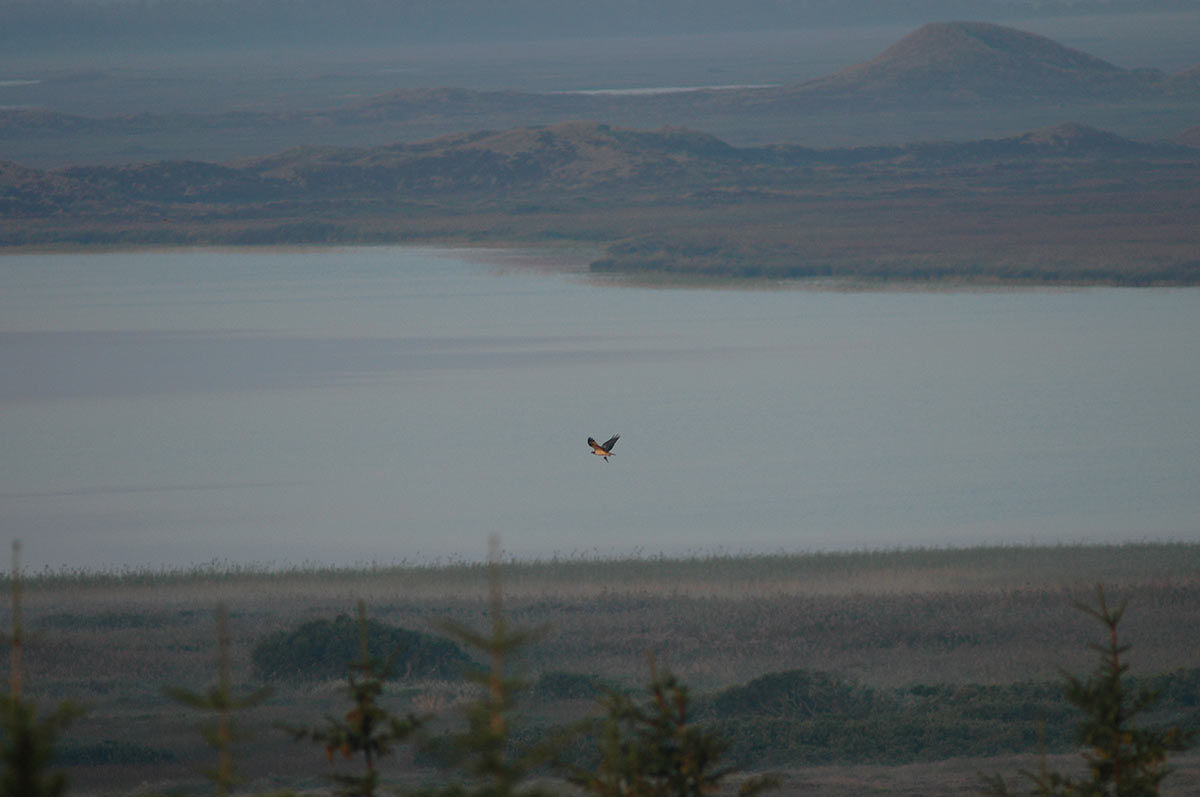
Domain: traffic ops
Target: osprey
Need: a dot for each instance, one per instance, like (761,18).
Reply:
(606,449)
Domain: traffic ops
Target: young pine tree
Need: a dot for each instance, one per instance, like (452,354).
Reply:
(485,751)
(652,749)
(26,739)
(1123,760)
(221,701)
(367,729)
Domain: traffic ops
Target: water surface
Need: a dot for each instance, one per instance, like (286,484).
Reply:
(383,404)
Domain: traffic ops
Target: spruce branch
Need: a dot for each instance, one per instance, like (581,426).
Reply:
(221,701)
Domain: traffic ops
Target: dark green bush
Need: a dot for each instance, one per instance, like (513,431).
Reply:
(368,729)
(792,694)
(321,649)
(651,747)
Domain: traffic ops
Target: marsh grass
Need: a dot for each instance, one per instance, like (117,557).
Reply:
(585,572)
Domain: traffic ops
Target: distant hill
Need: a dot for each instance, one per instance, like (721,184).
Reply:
(1186,83)
(566,159)
(968,62)
(17,122)
(939,65)
(944,80)
(28,192)
(1189,137)
(1082,141)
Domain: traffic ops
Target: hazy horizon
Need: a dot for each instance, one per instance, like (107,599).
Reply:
(118,67)
(125,25)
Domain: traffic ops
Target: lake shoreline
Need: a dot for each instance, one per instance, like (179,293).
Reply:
(579,258)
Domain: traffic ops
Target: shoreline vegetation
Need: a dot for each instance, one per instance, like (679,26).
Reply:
(842,572)
(930,665)
(1066,206)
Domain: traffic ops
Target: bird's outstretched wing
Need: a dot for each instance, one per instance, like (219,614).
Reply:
(593,443)
(612,441)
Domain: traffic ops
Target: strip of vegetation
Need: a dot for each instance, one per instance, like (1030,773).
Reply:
(732,259)
(998,564)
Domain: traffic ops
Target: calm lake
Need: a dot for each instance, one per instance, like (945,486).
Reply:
(384,404)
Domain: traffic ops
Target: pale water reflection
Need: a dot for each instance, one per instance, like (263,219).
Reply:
(379,404)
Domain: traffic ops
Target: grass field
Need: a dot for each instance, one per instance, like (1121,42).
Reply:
(907,631)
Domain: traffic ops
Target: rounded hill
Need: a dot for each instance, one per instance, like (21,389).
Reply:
(974,61)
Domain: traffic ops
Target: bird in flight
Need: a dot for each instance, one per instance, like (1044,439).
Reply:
(606,449)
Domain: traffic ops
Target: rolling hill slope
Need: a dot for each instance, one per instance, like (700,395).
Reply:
(967,62)
(571,159)
(1064,204)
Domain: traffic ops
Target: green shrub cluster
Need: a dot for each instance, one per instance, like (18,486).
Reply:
(800,718)
(319,650)
(796,694)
